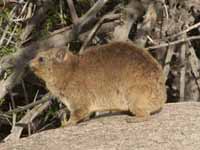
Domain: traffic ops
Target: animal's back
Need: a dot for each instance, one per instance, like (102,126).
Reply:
(117,76)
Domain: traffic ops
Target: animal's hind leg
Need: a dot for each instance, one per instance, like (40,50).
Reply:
(140,116)
(141,109)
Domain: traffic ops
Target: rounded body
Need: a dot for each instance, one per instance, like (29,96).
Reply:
(113,77)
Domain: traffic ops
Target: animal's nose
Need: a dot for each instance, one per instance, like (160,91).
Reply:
(32,65)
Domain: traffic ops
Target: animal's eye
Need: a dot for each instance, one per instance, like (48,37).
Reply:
(41,59)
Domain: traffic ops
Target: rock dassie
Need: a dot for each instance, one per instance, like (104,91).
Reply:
(113,77)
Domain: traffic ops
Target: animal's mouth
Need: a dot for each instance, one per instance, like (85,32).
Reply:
(32,67)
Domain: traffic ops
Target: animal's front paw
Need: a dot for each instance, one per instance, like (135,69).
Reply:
(65,123)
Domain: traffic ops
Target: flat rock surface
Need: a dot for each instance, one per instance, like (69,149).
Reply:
(176,127)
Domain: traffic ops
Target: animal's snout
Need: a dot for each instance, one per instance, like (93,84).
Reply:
(32,65)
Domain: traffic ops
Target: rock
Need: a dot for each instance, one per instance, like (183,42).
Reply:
(176,127)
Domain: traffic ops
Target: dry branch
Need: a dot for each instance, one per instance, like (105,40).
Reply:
(183,71)
(36,20)
(168,58)
(109,17)
(130,14)
(27,119)
(184,31)
(92,12)
(72,9)
(174,42)
(28,106)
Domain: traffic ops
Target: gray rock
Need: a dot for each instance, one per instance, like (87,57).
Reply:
(176,127)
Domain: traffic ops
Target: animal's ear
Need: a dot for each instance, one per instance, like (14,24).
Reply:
(68,56)
(60,55)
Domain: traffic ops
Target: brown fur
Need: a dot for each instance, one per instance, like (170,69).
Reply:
(111,77)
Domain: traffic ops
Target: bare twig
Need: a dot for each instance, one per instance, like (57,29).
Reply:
(168,58)
(14,118)
(92,12)
(36,19)
(36,95)
(28,106)
(166,11)
(13,105)
(130,14)
(11,35)
(25,92)
(185,31)
(182,72)
(72,9)
(88,17)
(106,18)
(4,34)
(17,130)
(174,42)
(62,20)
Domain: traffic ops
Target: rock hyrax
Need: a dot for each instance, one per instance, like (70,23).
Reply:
(113,77)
